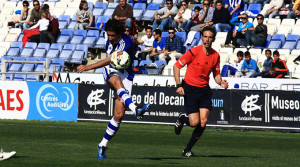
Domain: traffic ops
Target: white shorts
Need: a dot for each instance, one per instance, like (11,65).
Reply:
(109,72)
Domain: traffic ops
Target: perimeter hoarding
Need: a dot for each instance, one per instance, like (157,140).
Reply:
(38,101)
(231,108)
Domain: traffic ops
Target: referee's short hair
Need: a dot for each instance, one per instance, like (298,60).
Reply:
(211,29)
(115,26)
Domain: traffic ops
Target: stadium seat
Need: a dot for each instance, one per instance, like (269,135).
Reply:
(79,54)
(289,45)
(28,49)
(274,44)
(138,10)
(7,64)
(15,49)
(102,19)
(63,21)
(57,64)
(108,12)
(227,50)
(290,59)
(254,8)
(100,43)
(193,43)
(256,51)
(67,52)
(20,37)
(99,9)
(65,36)
(54,50)
(289,22)
(296,29)
(92,36)
(78,37)
(278,37)
(181,35)
(101,5)
(112,5)
(151,9)
(73,22)
(240,49)
(4,46)
(145,62)
(295,52)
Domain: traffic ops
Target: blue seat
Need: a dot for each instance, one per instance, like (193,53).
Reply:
(181,35)
(91,5)
(103,20)
(15,67)
(138,10)
(254,8)
(112,5)
(67,52)
(164,35)
(109,12)
(98,11)
(292,37)
(20,37)
(63,21)
(79,54)
(28,49)
(274,44)
(32,59)
(139,6)
(160,62)
(15,49)
(101,5)
(200,5)
(151,9)
(100,43)
(26,68)
(153,6)
(33,78)
(58,64)
(6,58)
(79,36)
(135,63)
(73,22)
(91,38)
(289,45)
(278,37)
(160,2)
(298,45)
(145,62)
(65,36)
(54,50)
(194,42)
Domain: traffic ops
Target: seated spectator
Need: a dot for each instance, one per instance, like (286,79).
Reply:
(43,24)
(266,66)
(132,37)
(164,17)
(53,28)
(147,40)
(182,17)
(234,7)
(25,16)
(273,9)
(35,14)
(236,66)
(255,36)
(193,21)
(238,33)
(295,11)
(278,67)
(249,67)
(173,48)
(205,16)
(221,18)
(158,45)
(84,16)
(124,12)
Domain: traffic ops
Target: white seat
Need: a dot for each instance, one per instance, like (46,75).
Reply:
(260,61)
(171,63)
(272,28)
(51,4)
(74,5)
(7,11)
(228,50)
(290,22)
(168,70)
(277,22)
(291,70)
(224,57)
(70,11)
(10,4)
(11,37)
(295,30)
(290,59)
(297,72)
(58,11)
(240,49)
(284,51)
(232,58)
(61,5)
(283,57)
(295,52)
(15,31)
(298,22)
(256,51)
(254,56)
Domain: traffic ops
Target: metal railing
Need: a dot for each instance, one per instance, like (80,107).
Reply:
(45,69)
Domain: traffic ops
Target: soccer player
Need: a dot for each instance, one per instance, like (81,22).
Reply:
(121,81)
(200,61)
(6,155)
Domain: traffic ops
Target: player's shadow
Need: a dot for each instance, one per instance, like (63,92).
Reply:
(163,158)
(220,156)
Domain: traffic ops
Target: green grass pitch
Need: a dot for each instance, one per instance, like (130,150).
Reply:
(43,143)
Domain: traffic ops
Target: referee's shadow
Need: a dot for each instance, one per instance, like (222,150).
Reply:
(197,156)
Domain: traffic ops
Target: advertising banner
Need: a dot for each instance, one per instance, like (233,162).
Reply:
(14,100)
(53,101)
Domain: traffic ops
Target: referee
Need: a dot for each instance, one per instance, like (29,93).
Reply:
(200,61)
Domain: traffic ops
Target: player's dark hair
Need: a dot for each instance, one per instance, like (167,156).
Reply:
(197,8)
(81,4)
(157,31)
(268,50)
(115,26)
(247,53)
(276,53)
(211,29)
(240,53)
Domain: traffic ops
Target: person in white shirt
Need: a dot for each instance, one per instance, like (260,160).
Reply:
(234,67)
(147,40)
(182,17)
(43,24)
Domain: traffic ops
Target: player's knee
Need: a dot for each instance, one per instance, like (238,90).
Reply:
(118,117)
(194,123)
(203,122)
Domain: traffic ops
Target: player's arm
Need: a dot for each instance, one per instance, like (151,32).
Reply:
(99,64)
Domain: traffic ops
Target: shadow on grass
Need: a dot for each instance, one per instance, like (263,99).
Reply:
(197,156)
(220,156)
(164,158)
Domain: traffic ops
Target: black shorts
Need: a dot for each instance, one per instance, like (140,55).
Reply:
(196,97)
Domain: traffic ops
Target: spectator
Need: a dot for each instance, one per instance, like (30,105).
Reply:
(182,17)
(174,47)
(194,20)
(24,16)
(234,7)
(43,24)
(278,67)
(273,8)
(295,12)
(158,45)
(206,15)
(84,16)
(35,14)
(266,66)
(53,28)
(255,36)
(124,12)
(221,18)
(249,67)
(147,40)
(238,33)
(132,37)
(164,17)
(236,66)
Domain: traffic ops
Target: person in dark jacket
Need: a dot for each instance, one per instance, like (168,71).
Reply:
(278,67)
(255,36)
(221,18)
